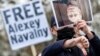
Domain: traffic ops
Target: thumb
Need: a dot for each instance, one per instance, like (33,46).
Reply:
(84,51)
(79,45)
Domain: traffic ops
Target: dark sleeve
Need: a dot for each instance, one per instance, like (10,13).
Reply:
(95,43)
(54,49)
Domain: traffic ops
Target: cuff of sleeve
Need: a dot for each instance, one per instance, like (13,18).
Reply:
(95,38)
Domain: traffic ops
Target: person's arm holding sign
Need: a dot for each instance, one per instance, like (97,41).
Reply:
(93,39)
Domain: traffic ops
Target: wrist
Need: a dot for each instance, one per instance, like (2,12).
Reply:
(90,35)
(88,30)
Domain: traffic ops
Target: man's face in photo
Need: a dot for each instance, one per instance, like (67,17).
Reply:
(74,13)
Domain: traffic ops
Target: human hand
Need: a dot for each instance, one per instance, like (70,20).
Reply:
(74,41)
(83,45)
(84,42)
(81,25)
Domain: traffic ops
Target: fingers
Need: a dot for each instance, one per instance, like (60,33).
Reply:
(85,42)
(80,24)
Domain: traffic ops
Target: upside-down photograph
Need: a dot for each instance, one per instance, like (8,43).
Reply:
(67,12)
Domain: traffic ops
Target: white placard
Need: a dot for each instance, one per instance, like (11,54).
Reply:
(26,24)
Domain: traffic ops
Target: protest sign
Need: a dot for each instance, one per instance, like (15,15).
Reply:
(26,24)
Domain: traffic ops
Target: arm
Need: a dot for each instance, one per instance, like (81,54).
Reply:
(59,46)
(95,43)
(54,49)
(93,39)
